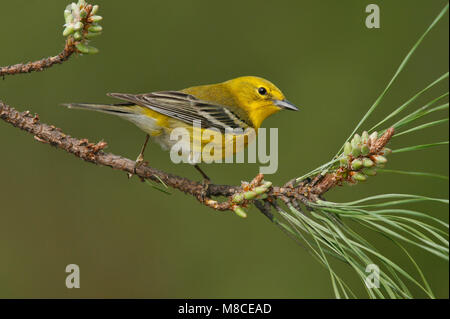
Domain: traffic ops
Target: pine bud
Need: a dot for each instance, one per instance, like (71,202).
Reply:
(365,150)
(267,184)
(95,28)
(86,49)
(357,164)
(368,162)
(365,137)
(379,159)
(344,161)
(260,190)
(96,18)
(369,171)
(360,177)
(78,26)
(75,9)
(77,36)
(94,9)
(356,151)
(68,16)
(68,30)
(91,35)
(240,211)
(347,148)
(250,195)
(357,139)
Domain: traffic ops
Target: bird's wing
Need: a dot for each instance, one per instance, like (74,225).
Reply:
(186,108)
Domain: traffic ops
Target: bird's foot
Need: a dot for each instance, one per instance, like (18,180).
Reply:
(205,183)
(138,163)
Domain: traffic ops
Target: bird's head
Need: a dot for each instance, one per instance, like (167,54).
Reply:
(258,97)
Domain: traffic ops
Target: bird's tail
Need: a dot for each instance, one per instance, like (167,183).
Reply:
(117,109)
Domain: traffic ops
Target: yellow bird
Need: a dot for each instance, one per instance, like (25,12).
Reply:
(240,103)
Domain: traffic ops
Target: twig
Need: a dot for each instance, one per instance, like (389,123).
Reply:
(42,64)
(93,153)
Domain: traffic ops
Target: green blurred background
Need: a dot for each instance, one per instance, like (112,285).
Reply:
(133,241)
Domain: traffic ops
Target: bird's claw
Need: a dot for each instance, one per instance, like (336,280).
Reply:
(138,163)
(205,183)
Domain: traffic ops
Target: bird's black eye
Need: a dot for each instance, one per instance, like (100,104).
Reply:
(262,91)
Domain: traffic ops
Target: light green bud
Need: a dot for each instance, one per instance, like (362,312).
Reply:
(379,159)
(68,30)
(344,161)
(95,28)
(96,18)
(93,50)
(91,35)
(365,137)
(365,150)
(360,177)
(75,9)
(260,190)
(77,36)
(86,49)
(95,9)
(250,195)
(356,151)
(369,171)
(240,211)
(70,19)
(356,164)
(367,162)
(347,148)
(267,184)
(68,15)
(78,26)
(357,139)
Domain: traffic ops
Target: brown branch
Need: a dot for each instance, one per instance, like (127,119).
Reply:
(42,64)
(93,153)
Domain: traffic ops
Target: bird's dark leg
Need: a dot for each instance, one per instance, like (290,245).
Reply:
(206,181)
(202,172)
(140,158)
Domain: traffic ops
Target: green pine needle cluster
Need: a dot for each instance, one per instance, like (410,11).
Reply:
(323,227)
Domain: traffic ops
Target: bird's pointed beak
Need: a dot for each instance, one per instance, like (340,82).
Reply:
(285,104)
